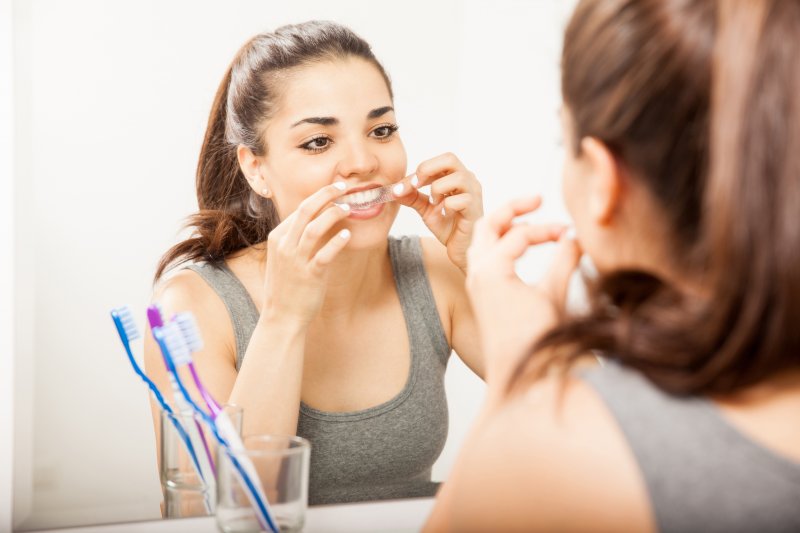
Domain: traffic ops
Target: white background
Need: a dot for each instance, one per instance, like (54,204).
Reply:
(110,101)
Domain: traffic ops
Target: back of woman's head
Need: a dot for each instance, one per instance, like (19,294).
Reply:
(231,215)
(700,101)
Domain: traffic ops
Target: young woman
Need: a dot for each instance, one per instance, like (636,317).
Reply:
(682,120)
(315,321)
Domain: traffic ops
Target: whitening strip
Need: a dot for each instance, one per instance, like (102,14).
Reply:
(368,198)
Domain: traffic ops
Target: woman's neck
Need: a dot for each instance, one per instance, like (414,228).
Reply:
(355,279)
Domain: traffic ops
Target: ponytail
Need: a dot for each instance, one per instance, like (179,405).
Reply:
(225,222)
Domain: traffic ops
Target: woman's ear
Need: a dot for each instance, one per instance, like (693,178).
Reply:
(251,168)
(605,180)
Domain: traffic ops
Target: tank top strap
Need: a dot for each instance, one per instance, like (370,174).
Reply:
(416,295)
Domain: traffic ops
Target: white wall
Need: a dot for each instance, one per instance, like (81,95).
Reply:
(111,100)
(6,265)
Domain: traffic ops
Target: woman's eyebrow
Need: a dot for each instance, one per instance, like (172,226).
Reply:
(325,121)
(379,112)
(332,121)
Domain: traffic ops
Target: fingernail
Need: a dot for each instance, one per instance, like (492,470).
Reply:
(345,207)
(414,181)
(431,200)
(397,190)
(340,185)
(444,212)
(344,234)
(569,233)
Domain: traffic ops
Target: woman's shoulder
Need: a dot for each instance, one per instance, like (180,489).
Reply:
(183,287)
(186,290)
(201,283)
(551,452)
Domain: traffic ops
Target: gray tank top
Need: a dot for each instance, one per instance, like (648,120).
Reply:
(701,473)
(386,451)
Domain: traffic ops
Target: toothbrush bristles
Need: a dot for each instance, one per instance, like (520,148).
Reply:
(191,333)
(178,349)
(128,323)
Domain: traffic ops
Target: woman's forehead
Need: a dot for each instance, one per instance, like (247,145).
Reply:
(345,89)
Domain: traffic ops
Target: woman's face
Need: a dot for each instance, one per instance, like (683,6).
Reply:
(335,122)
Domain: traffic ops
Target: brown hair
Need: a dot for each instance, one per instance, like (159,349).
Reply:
(700,100)
(231,216)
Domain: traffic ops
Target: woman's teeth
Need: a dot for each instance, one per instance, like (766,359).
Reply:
(357,199)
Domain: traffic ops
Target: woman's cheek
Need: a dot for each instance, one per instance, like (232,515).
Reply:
(288,199)
(396,163)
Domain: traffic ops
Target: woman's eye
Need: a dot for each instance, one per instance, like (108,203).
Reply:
(384,132)
(317,144)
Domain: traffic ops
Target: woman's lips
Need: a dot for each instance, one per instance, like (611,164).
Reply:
(367,213)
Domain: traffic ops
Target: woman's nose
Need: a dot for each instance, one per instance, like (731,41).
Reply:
(357,160)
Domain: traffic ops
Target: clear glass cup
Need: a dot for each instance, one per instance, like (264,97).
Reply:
(185,493)
(282,464)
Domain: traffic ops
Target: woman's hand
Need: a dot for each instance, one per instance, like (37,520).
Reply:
(455,202)
(511,314)
(299,251)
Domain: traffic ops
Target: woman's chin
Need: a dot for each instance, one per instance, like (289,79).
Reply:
(370,228)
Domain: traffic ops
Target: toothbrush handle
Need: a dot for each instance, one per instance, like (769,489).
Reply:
(255,495)
(159,397)
(230,440)
(185,408)
(211,403)
(153,388)
(207,449)
(187,442)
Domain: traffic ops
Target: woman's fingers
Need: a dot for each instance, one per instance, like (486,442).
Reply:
(502,219)
(319,227)
(447,177)
(455,192)
(506,250)
(329,251)
(491,227)
(405,186)
(521,237)
(464,203)
(308,209)
(453,184)
(432,169)
(556,280)
(406,193)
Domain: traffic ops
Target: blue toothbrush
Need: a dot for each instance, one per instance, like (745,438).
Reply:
(127,330)
(126,327)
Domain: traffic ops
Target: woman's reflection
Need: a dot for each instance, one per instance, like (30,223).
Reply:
(315,321)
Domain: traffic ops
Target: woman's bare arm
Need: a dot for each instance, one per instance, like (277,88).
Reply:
(448,284)
(544,462)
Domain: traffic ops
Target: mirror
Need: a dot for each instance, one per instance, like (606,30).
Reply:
(111,101)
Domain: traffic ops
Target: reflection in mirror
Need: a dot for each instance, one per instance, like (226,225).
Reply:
(112,103)
(314,321)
